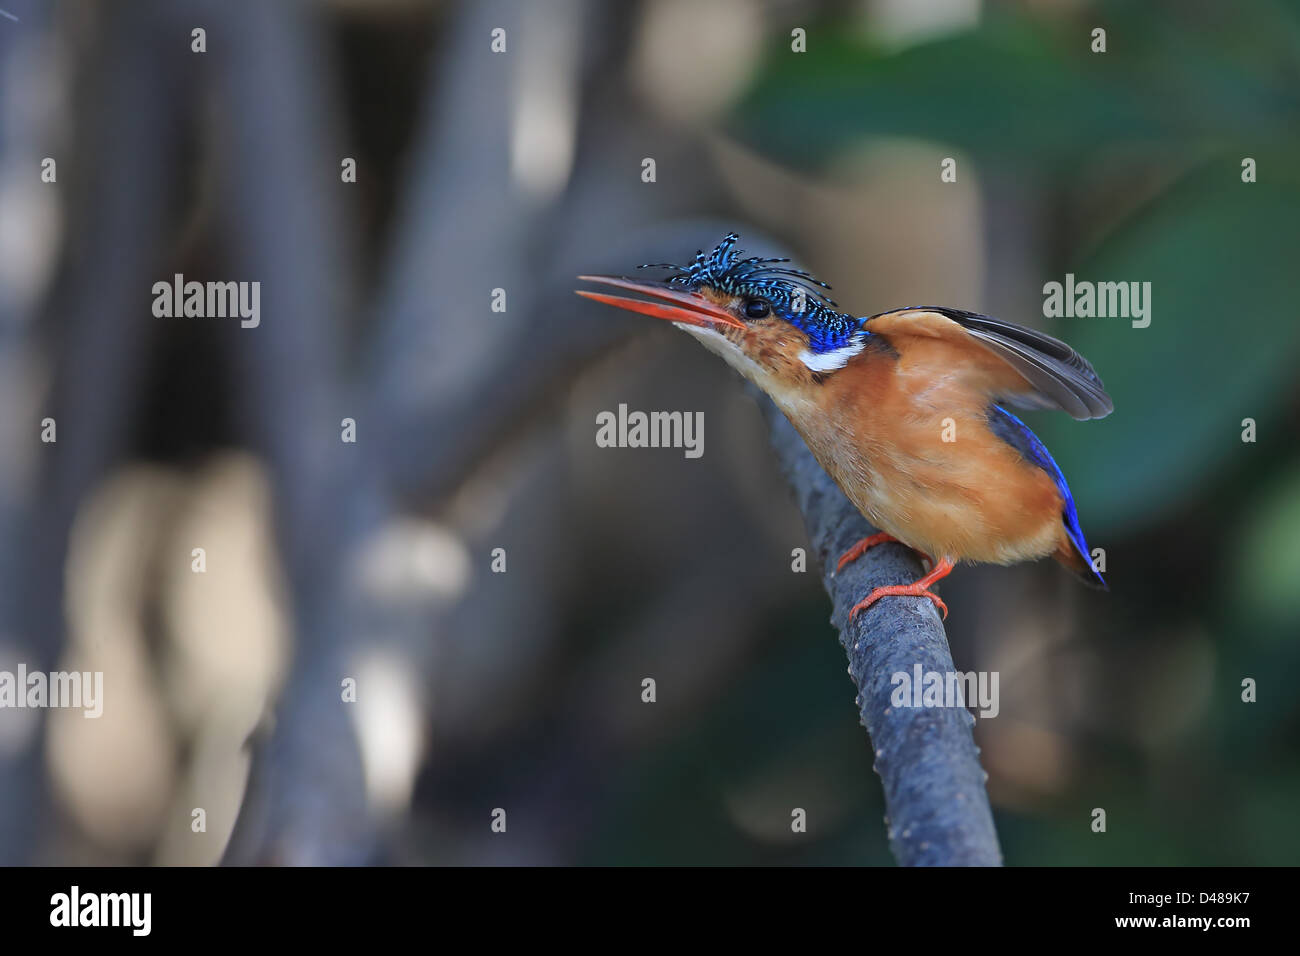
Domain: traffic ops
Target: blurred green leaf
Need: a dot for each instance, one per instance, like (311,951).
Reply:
(1221,347)
(1267,568)
(1182,82)
(1030,89)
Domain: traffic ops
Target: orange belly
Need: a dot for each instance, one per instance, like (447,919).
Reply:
(915,454)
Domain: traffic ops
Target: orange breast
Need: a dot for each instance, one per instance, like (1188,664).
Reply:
(909,444)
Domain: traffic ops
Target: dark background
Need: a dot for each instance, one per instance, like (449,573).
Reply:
(476,429)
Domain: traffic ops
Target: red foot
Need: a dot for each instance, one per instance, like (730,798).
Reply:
(917,589)
(862,547)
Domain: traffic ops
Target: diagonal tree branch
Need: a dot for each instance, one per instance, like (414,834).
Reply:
(937,809)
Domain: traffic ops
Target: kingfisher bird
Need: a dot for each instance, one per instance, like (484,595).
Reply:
(905,410)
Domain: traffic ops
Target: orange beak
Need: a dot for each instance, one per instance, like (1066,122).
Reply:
(676,305)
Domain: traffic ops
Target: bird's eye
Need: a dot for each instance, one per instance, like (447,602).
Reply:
(757,308)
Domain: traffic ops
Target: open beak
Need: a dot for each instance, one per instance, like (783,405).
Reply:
(676,305)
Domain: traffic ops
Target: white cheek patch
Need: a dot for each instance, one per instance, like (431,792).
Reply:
(837,358)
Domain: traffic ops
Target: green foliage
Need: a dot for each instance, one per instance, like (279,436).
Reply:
(1145,142)
(1221,347)
(1180,85)
(1028,90)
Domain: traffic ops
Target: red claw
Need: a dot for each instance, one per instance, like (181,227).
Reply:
(862,547)
(919,588)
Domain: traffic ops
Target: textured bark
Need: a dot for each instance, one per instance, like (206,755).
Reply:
(938,810)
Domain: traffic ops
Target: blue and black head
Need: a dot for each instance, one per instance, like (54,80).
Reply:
(765,317)
(767,286)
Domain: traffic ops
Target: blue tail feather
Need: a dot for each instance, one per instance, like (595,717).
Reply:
(1017,434)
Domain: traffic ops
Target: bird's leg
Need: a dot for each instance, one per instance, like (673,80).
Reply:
(917,589)
(862,547)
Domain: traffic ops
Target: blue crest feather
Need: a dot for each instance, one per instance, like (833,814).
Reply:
(795,295)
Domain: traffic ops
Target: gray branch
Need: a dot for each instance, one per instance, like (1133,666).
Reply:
(937,809)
